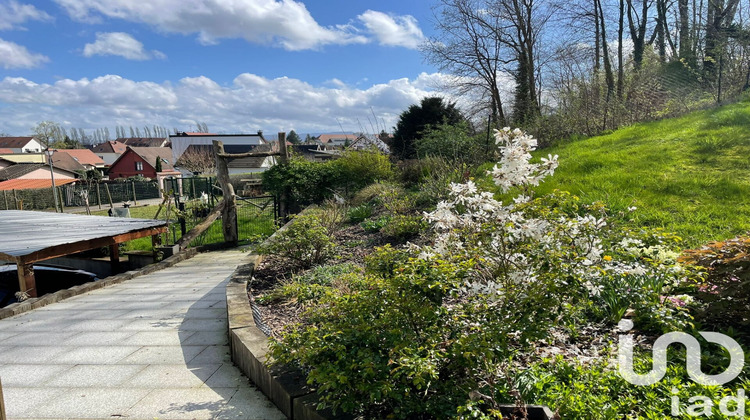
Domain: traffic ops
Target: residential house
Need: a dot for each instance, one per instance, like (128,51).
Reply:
(244,165)
(144,141)
(109,151)
(32,184)
(142,161)
(21,144)
(34,171)
(64,161)
(313,152)
(24,157)
(337,140)
(181,141)
(367,142)
(87,158)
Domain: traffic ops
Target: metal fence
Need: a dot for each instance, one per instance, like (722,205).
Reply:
(119,192)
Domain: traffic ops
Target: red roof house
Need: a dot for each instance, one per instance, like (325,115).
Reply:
(142,161)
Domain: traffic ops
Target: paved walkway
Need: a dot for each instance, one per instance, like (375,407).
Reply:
(154,347)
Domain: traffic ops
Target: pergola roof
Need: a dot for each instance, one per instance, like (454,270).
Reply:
(29,236)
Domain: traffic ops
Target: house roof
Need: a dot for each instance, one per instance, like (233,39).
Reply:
(31,184)
(63,160)
(187,133)
(84,156)
(14,142)
(327,138)
(19,170)
(110,147)
(143,141)
(150,154)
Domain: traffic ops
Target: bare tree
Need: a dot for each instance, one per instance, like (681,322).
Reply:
(48,132)
(198,160)
(467,48)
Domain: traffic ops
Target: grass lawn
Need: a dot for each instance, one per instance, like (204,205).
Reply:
(689,175)
(252,221)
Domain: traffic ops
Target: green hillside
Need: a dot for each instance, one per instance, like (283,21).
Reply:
(690,175)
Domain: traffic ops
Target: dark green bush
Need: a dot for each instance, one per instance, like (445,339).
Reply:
(305,242)
(359,213)
(401,228)
(374,225)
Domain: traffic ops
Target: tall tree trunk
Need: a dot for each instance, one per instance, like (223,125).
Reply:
(637,27)
(686,43)
(620,58)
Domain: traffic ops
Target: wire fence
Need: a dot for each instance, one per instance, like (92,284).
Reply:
(256,219)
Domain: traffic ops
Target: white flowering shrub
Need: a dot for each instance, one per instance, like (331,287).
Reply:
(552,244)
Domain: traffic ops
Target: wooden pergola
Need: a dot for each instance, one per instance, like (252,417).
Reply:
(27,237)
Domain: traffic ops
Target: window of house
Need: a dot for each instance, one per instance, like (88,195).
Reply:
(139,166)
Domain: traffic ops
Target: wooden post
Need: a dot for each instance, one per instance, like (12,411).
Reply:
(15,201)
(135,199)
(114,257)
(283,160)
(2,404)
(26,280)
(229,210)
(98,196)
(109,196)
(60,196)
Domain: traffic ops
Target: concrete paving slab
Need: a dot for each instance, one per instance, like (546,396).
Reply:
(103,355)
(164,355)
(95,402)
(22,402)
(172,376)
(95,376)
(19,374)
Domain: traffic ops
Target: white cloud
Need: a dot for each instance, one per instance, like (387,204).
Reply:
(120,44)
(13,13)
(286,23)
(395,31)
(249,103)
(14,56)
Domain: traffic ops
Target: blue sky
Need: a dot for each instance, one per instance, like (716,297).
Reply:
(237,65)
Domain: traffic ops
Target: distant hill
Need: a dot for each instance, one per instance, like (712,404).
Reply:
(690,175)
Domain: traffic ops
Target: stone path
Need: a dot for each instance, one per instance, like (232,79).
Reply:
(154,347)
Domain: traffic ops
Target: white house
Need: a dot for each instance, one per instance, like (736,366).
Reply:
(181,141)
(21,144)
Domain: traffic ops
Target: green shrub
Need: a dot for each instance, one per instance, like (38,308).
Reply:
(374,225)
(402,228)
(303,181)
(359,213)
(305,242)
(320,281)
(357,169)
(455,143)
(370,193)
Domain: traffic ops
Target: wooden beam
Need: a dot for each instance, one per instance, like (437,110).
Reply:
(26,279)
(201,227)
(247,154)
(67,249)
